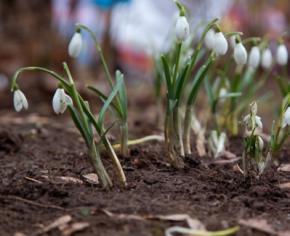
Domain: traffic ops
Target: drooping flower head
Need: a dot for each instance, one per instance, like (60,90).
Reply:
(19,100)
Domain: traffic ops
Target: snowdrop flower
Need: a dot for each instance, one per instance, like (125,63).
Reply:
(260,143)
(240,54)
(60,101)
(254,57)
(258,121)
(19,101)
(217,143)
(233,41)
(182,28)
(266,60)
(75,45)
(286,118)
(282,55)
(220,44)
(209,39)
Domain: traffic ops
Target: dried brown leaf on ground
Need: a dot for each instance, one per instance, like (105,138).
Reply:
(73,228)
(284,185)
(91,178)
(192,223)
(59,222)
(62,179)
(263,226)
(284,167)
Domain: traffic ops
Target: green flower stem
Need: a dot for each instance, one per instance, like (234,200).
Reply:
(187,129)
(99,50)
(124,139)
(99,167)
(116,161)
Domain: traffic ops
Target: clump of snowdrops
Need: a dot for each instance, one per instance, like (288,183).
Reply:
(67,97)
(230,82)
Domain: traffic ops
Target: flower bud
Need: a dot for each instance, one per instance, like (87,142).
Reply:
(260,143)
(182,28)
(19,101)
(266,60)
(286,118)
(209,39)
(240,54)
(60,101)
(75,45)
(254,57)
(282,55)
(220,44)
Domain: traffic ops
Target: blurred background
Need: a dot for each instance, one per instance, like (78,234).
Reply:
(132,32)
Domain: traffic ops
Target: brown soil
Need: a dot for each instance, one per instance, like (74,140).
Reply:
(217,195)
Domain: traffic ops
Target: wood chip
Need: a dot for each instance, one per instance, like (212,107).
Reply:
(91,178)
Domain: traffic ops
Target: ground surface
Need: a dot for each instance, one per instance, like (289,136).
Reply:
(31,156)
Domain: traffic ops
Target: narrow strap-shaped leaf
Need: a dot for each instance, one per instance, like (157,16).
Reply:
(180,82)
(79,125)
(197,81)
(106,105)
(167,76)
(104,97)
(122,95)
(90,116)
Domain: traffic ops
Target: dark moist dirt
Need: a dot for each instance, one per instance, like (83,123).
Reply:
(215,194)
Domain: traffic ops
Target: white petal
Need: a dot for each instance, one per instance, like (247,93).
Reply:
(59,101)
(68,100)
(209,39)
(221,44)
(254,57)
(282,55)
(286,118)
(75,45)
(240,54)
(258,121)
(182,28)
(19,100)
(266,59)
(246,118)
(221,143)
(260,143)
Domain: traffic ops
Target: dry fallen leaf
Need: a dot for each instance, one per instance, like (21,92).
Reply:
(75,227)
(192,223)
(263,226)
(62,179)
(284,167)
(284,185)
(59,222)
(91,178)
(19,234)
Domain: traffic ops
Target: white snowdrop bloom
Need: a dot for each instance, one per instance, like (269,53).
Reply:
(254,57)
(266,60)
(220,44)
(260,143)
(258,121)
(75,45)
(286,118)
(19,101)
(233,41)
(182,28)
(282,55)
(209,39)
(240,54)
(221,143)
(60,101)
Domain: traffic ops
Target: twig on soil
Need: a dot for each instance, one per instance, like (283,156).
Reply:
(59,222)
(32,202)
(141,140)
(33,180)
